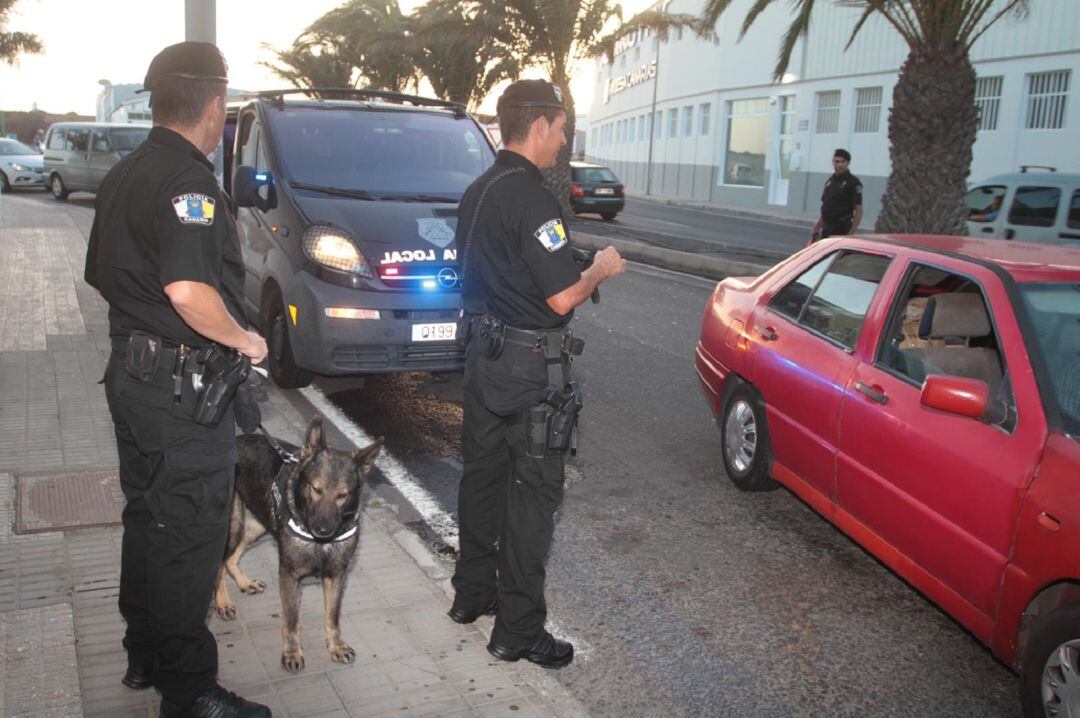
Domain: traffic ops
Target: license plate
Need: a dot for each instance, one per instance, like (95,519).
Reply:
(440,332)
(604,190)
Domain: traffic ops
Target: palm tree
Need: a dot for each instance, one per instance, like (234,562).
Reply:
(933,119)
(463,48)
(13,44)
(554,34)
(358,43)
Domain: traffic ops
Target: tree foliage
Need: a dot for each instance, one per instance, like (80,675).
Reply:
(14,43)
(933,119)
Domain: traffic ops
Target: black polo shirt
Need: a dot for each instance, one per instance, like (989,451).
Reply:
(519,254)
(842,194)
(161,217)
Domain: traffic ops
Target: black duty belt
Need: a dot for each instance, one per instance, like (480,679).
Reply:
(167,352)
(562,338)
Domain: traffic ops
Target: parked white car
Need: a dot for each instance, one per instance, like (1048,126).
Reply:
(20,165)
(1031,206)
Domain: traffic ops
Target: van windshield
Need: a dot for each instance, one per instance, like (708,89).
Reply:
(1055,314)
(385,153)
(128,138)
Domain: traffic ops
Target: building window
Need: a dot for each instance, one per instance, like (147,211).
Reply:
(747,142)
(659,127)
(688,120)
(988,101)
(643,128)
(637,54)
(828,112)
(867,109)
(1046,95)
(673,123)
(705,115)
(633,128)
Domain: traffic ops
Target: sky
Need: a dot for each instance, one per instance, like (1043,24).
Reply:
(90,40)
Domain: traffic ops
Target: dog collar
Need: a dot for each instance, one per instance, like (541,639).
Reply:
(299,531)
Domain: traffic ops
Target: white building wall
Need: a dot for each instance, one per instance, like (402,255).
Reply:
(691,71)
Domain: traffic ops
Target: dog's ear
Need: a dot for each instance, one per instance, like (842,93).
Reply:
(315,439)
(365,458)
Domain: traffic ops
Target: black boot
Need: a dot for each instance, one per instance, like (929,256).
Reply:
(215,702)
(546,651)
(468,615)
(140,673)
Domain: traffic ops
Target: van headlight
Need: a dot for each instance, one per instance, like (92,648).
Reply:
(331,247)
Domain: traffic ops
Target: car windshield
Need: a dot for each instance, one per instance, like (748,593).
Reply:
(128,138)
(14,147)
(594,174)
(385,153)
(1055,312)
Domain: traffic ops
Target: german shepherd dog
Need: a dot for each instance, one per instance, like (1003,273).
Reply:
(312,509)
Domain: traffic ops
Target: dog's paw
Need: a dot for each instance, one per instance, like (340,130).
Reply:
(254,586)
(292,661)
(225,611)
(342,653)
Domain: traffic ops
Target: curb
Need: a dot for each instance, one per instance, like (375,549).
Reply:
(729,211)
(701,264)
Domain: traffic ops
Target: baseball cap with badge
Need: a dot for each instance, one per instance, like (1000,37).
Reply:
(531,93)
(190,60)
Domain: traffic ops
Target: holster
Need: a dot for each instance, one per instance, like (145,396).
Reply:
(551,425)
(218,374)
(490,336)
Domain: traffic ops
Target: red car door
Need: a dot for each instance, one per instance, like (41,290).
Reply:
(942,489)
(803,338)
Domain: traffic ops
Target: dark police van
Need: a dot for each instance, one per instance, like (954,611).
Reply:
(346,210)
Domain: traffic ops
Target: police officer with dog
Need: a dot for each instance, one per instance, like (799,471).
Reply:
(165,255)
(520,285)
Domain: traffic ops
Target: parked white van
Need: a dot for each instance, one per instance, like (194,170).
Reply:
(1030,205)
(79,154)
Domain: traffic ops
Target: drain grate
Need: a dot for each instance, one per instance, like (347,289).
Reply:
(56,502)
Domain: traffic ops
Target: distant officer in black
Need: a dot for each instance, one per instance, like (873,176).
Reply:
(841,201)
(164,254)
(520,286)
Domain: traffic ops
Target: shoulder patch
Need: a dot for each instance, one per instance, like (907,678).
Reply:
(194,208)
(551,234)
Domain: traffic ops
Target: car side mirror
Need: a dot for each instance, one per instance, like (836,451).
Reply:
(956,395)
(246,183)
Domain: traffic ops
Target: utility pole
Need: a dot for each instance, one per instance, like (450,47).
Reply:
(200,20)
(652,121)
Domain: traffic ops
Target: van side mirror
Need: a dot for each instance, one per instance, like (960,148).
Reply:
(246,183)
(956,395)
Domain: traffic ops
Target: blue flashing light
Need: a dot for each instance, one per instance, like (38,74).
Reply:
(262,177)
(429,284)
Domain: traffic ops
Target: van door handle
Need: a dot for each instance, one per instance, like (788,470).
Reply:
(1009,233)
(874,393)
(1069,235)
(767,333)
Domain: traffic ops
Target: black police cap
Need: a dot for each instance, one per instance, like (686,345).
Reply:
(531,93)
(190,60)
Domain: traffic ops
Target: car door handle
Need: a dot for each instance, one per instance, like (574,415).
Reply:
(987,230)
(874,393)
(767,333)
(1010,233)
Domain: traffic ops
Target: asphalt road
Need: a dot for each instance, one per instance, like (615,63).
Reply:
(684,596)
(695,230)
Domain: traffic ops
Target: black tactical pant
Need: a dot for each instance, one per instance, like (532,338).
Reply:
(177,477)
(835,227)
(507,500)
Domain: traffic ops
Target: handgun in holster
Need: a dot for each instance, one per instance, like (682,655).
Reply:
(217,374)
(551,425)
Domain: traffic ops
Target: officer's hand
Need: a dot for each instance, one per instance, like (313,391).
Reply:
(256,348)
(609,260)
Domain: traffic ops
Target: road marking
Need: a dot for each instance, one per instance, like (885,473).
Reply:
(425,504)
(399,477)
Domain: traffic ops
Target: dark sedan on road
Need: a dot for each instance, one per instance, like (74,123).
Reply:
(921,393)
(595,188)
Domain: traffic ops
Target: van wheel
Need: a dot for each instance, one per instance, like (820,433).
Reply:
(744,438)
(283,368)
(608,216)
(1049,679)
(56,185)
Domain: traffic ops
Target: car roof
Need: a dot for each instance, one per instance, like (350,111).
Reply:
(1025,261)
(575,163)
(373,104)
(1063,178)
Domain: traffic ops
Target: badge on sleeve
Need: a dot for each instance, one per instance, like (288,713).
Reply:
(551,234)
(194,209)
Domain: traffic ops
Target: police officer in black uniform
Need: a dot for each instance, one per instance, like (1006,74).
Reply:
(841,201)
(520,287)
(165,255)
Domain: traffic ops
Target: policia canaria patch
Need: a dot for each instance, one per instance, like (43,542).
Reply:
(194,209)
(551,234)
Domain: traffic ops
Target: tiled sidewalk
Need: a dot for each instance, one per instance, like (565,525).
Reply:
(60,631)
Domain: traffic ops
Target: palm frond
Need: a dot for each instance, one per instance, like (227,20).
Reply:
(661,23)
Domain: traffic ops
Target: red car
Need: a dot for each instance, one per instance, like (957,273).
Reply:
(923,394)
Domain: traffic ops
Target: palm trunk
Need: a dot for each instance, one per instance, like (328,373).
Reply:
(557,179)
(932,127)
